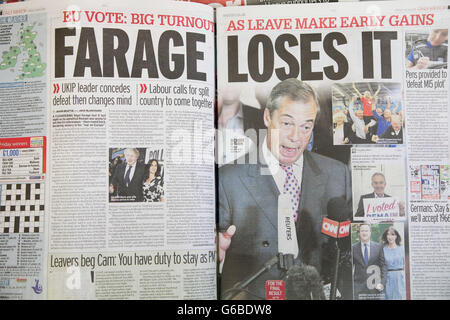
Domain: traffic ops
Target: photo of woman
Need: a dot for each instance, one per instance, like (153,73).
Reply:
(394,255)
(153,183)
(341,130)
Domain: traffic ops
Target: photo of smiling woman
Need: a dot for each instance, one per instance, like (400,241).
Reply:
(394,256)
(153,187)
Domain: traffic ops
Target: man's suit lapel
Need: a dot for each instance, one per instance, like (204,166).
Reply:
(310,209)
(136,175)
(358,256)
(313,185)
(373,253)
(264,191)
(121,173)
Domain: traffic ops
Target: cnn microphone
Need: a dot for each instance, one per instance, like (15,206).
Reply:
(337,226)
(303,283)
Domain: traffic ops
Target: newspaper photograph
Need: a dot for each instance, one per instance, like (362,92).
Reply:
(363,119)
(126,182)
(378,259)
(378,176)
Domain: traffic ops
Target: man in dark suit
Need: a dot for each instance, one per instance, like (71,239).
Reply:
(249,193)
(369,267)
(236,122)
(378,185)
(127,180)
(394,133)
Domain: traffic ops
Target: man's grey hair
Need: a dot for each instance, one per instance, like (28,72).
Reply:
(364,223)
(134,150)
(295,90)
(396,117)
(379,174)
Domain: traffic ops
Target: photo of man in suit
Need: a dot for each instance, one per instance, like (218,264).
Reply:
(249,193)
(378,185)
(394,133)
(369,267)
(128,177)
(238,124)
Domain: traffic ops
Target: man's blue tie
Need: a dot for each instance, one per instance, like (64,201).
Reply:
(127,175)
(366,254)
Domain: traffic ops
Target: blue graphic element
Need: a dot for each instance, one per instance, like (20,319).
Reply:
(37,287)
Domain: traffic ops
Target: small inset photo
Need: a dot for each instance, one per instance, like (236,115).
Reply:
(367,113)
(378,259)
(379,191)
(426,49)
(136,174)
(429,182)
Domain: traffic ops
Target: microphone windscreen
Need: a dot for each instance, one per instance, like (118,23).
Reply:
(338,209)
(304,283)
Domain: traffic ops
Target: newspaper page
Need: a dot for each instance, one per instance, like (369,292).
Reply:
(428,154)
(427,104)
(129,106)
(317,132)
(24,65)
(132,107)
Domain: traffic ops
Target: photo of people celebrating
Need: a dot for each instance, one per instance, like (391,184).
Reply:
(427,50)
(367,113)
(136,175)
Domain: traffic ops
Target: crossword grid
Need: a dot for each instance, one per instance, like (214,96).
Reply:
(21,207)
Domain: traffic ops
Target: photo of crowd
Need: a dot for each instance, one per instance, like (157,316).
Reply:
(136,175)
(378,258)
(367,113)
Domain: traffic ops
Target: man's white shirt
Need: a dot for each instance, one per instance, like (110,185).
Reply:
(278,174)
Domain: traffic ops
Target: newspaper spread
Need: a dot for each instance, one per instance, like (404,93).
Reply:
(107,168)
(332,144)
(333,148)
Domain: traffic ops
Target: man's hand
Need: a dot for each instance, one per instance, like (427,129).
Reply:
(379,287)
(225,241)
(422,63)
(227,113)
(111,188)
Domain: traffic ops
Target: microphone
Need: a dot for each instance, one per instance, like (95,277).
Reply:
(287,247)
(238,287)
(287,233)
(336,225)
(303,283)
